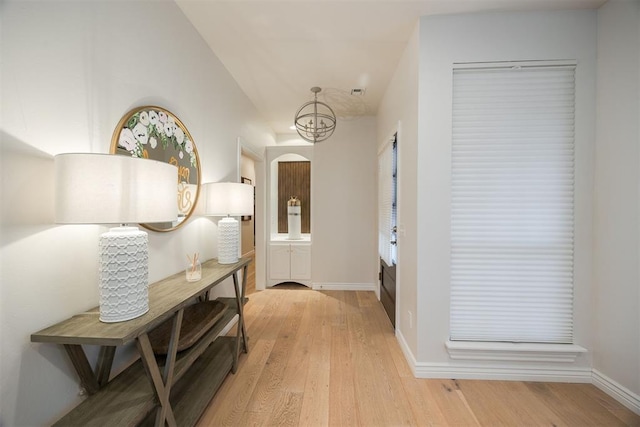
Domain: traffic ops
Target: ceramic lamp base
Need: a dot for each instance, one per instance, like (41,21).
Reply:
(228,237)
(124,275)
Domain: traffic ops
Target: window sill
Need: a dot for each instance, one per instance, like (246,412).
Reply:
(518,352)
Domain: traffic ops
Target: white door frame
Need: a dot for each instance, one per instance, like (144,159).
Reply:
(245,148)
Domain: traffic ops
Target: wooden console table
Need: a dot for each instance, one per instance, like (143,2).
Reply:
(180,385)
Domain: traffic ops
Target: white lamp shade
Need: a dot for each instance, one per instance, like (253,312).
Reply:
(112,189)
(228,199)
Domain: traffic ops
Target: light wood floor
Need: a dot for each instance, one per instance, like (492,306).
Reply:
(251,274)
(331,358)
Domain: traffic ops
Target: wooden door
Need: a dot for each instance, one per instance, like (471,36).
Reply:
(388,290)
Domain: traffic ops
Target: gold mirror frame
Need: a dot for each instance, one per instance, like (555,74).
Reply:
(155,133)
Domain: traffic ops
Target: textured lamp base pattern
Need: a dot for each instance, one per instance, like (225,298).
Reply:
(228,237)
(124,275)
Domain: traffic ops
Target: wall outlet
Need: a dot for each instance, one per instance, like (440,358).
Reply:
(410,318)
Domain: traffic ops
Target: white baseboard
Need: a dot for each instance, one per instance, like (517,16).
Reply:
(622,394)
(513,352)
(408,354)
(503,373)
(343,287)
(521,373)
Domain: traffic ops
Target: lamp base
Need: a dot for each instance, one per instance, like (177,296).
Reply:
(228,237)
(124,274)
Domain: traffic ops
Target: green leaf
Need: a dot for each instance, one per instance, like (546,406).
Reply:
(133,120)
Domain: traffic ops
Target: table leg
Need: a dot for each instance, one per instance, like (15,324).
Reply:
(83,368)
(241,330)
(170,362)
(153,372)
(105,361)
(245,337)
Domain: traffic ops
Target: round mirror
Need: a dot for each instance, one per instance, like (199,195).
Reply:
(155,133)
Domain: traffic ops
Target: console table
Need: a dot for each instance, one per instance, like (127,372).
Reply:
(178,386)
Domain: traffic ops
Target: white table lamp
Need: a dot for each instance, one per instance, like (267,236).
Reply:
(228,199)
(111,189)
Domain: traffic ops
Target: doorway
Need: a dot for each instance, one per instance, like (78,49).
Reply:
(387,225)
(251,172)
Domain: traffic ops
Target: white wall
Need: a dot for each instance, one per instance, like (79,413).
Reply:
(343,213)
(398,112)
(617,196)
(445,40)
(70,70)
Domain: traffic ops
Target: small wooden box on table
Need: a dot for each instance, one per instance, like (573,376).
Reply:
(180,385)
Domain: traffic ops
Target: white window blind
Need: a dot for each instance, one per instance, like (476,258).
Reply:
(385,203)
(512,204)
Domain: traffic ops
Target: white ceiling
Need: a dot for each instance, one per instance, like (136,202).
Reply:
(278,50)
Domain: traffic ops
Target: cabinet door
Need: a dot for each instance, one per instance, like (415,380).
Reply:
(300,262)
(279,263)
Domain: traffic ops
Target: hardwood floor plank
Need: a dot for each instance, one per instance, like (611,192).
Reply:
(267,324)
(393,392)
(268,388)
(252,419)
(342,398)
(286,410)
(295,373)
(578,407)
(369,396)
(496,403)
(449,401)
(315,402)
(229,404)
(425,411)
(613,406)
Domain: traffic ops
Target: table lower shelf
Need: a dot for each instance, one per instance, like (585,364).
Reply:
(129,399)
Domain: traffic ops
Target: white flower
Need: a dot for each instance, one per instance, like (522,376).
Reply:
(162,116)
(179,134)
(153,142)
(140,133)
(159,128)
(168,129)
(153,117)
(127,140)
(188,146)
(181,154)
(144,118)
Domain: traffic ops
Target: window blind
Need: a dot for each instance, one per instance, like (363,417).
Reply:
(512,204)
(385,202)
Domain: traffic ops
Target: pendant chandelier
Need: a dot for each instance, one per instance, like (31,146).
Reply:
(315,121)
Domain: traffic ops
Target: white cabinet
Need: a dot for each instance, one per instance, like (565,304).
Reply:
(289,262)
